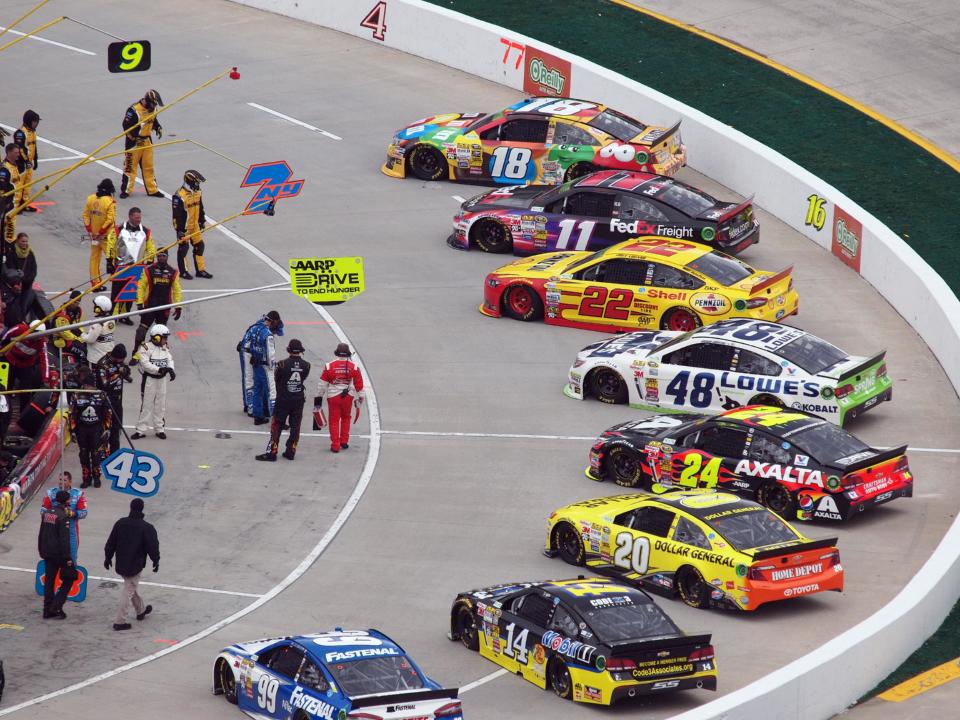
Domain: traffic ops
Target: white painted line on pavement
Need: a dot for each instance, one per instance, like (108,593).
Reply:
(458,198)
(301,123)
(33,571)
(58,159)
(485,679)
(51,42)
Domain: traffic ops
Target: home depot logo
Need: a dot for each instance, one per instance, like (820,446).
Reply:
(847,238)
(546,74)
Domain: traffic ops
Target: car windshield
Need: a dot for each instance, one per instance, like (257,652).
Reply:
(588,259)
(811,353)
(722,269)
(827,442)
(686,199)
(478,122)
(620,126)
(746,528)
(391,673)
(633,621)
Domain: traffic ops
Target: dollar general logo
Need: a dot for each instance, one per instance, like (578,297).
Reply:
(321,280)
(274,183)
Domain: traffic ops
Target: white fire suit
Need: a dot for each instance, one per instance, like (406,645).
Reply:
(99,339)
(153,386)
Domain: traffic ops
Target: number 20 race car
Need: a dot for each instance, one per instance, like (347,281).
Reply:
(592,640)
(795,463)
(728,364)
(538,140)
(335,676)
(598,210)
(712,549)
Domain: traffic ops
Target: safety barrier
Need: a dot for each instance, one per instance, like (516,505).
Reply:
(830,678)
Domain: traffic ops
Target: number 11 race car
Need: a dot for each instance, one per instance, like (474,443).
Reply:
(334,676)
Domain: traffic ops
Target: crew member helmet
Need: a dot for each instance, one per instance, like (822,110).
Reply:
(106,187)
(151,99)
(158,332)
(102,305)
(192,179)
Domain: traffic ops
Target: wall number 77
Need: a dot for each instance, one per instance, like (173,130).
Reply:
(376,20)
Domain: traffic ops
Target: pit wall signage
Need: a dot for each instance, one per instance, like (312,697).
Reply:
(545,74)
(847,241)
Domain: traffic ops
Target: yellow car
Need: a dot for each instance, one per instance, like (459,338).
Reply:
(645,283)
(712,549)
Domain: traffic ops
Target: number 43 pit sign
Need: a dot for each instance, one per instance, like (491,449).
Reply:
(326,280)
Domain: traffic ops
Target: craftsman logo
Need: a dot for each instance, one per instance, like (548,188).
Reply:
(847,238)
(545,74)
(274,184)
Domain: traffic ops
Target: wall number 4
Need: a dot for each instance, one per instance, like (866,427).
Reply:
(376,20)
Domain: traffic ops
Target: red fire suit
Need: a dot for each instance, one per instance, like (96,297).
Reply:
(335,382)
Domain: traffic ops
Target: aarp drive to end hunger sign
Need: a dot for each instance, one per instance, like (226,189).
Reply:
(326,280)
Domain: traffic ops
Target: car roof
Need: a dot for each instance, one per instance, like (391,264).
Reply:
(580,591)
(345,651)
(771,342)
(584,116)
(625,180)
(701,504)
(781,422)
(683,251)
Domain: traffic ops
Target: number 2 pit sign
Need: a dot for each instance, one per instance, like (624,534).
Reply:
(326,280)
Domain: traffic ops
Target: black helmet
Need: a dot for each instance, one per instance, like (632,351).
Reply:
(152,99)
(192,179)
(106,187)
(295,346)
(29,117)
(343,350)
(119,351)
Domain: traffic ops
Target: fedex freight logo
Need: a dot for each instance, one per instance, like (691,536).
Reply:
(545,74)
(847,238)
(274,183)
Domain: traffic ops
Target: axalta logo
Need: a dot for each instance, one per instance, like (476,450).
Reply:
(541,73)
(784,473)
(312,705)
(362,653)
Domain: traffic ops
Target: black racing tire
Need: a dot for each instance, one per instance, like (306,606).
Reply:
(623,466)
(692,588)
(467,628)
(578,170)
(765,399)
(491,236)
(427,163)
(568,543)
(228,683)
(680,319)
(775,496)
(607,386)
(559,677)
(521,302)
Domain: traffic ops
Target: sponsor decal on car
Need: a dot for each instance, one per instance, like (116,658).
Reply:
(803,589)
(710,303)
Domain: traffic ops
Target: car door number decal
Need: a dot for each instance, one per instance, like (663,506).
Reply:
(698,474)
(510,162)
(612,305)
(566,232)
(633,553)
(516,647)
(267,693)
(700,392)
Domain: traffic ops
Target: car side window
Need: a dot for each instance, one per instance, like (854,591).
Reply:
(723,440)
(535,608)
(564,623)
(492,132)
(593,204)
(711,356)
(768,448)
(286,661)
(621,271)
(660,275)
(688,533)
(312,677)
(566,133)
(638,208)
(653,520)
(524,130)
(754,364)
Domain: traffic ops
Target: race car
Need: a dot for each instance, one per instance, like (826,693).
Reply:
(797,464)
(545,140)
(598,210)
(713,549)
(646,282)
(591,640)
(332,675)
(728,364)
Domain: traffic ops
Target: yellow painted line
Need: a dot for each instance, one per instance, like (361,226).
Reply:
(913,137)
(936,677)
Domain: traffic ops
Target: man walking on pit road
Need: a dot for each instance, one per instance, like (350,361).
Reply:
(290,376)
(132,540)
(335,382)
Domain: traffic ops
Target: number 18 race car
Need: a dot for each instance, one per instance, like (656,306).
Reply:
(728,364)
(592,640)
(795,463)
(334,676)
(538,140)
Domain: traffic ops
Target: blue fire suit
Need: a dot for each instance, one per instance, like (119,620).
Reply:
(258,358)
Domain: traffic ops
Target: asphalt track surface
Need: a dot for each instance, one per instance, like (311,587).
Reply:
(443,512)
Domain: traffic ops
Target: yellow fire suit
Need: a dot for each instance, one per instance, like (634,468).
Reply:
(100,220)
(10,222)
(27,140)
(189,219)
(139,147)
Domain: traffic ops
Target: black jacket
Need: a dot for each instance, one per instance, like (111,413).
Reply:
(53,542)
(132,539)
(27,265)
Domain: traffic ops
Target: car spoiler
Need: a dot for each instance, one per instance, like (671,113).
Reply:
(857,369)
(403,697)
(798,547)
(642,140)
(771,281)
(628,647)
(736,210)
(880,457)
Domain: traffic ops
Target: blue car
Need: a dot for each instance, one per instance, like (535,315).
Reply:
(334,676)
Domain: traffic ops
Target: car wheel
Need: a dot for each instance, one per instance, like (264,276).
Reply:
(680,319)
(776,497)
(228,683)
(623,466)
(567,541)
(467,628)
(560,681)
(608,387)
(770,400)
(427,162)
(492,237)
(521,302)
(578,170)
(693,590)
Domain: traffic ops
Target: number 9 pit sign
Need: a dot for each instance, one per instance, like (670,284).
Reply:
(134,472)
(326,280)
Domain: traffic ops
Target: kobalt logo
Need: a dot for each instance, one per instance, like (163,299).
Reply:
(847,239)
(552,78)
(311,705)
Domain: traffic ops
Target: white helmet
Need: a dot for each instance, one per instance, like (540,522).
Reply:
(158,332)
(38,326)
(102,305)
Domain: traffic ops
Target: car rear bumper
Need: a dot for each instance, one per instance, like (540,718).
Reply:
(868,404)
(738,246)
(882,498)
(654,687)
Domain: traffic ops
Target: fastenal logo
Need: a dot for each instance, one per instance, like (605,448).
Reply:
(547,76)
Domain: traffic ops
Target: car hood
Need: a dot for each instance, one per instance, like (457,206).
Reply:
(640,344)
(427,127)
(543,266)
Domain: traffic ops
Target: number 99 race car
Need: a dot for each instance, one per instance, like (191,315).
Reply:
(334,676)
(728,364)
(590,640)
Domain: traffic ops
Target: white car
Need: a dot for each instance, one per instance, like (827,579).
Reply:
(729,364)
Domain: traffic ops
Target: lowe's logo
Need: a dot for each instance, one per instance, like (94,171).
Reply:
(274,183)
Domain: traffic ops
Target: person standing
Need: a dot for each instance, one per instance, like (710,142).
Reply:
(77,504)
(131,250)
(20,256)
(90,423)
(11,183)
(188,222)
(290,378)
(69,340)
(98,336)
(111,373)
(335,382)
(258,355)
(100,221)
(156,366)
(159,284)
(26,139)
(139,144)
(132,540)
(53,544)
(29,364)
